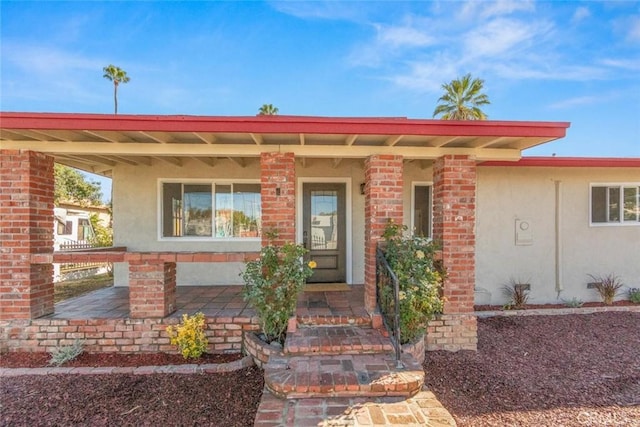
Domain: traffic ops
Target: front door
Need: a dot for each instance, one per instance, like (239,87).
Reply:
(323,231)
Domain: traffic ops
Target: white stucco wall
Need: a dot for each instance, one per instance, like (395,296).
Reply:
(509,193)
(136,214)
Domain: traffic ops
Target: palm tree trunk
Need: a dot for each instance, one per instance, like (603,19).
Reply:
(115,97)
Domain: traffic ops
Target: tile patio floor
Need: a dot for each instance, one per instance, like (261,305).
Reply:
(213,301)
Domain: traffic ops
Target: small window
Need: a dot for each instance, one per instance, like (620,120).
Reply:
(615,204)
(422,210)
(65,228)
(211,210)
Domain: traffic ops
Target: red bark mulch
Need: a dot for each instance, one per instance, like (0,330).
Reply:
(41,360)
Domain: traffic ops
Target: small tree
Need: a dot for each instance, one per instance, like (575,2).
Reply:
(462,100)
(116,75)
(72,186)
(268,110)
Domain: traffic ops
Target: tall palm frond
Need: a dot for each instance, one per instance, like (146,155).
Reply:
(268,110)
(462,100)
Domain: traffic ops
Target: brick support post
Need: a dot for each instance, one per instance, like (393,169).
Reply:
(454,216)
(152,288)
(278,193)
(26,228)
(383,201)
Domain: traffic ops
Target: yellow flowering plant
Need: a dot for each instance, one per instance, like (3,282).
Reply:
(412,259)
(189,336)
(273,283)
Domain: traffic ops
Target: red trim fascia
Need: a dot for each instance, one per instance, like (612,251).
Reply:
(571,162)
(281,125)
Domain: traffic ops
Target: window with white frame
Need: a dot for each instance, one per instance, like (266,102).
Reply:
(214,210)
(615,204)
(422,210)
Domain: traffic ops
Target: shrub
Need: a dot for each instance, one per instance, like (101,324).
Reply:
(573,302)
(634,295)
(517,295)
(62,355)
(607,286)
(272,284)
(412,259)
(189,336)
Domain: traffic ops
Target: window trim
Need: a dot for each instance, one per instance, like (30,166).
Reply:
(607,185)
(212,182)
(412,225)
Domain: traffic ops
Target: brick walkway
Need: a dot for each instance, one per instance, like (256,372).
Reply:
(338,370)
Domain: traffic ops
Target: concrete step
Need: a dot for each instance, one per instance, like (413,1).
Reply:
(347,375)
(326,340)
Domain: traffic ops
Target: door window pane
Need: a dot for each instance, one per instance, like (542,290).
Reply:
(422,211)
(324,219)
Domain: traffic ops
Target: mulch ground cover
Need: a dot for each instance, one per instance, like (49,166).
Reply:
(573,370)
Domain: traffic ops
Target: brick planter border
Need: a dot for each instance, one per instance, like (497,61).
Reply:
(259,350)
(416,349)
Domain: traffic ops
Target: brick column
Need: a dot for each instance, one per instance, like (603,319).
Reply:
(152,288)
(26,228)
(454,216)
(383,201)
(278,194)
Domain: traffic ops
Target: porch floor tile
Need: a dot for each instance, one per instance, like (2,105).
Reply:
(213,301)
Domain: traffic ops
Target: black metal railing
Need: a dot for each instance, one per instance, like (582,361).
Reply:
(388,296)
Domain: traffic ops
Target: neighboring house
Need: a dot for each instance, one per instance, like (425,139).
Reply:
(184,184)
(73,230)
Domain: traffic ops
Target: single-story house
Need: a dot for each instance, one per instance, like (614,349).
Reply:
(193,197)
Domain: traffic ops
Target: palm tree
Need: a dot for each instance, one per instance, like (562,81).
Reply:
(462,99)
(268,110)
(116,75)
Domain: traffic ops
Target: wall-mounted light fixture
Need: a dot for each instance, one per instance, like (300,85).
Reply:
(362,188)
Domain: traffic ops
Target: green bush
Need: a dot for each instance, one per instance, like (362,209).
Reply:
(272,284)
(412,259)
(634,295)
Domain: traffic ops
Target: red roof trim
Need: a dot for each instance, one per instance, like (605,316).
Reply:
(281,124)
(576,162)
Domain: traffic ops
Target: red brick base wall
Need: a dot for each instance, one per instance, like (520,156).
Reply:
(383,201)
(118,335)
(452,332)
(278,196)
(152,288)
(26,228)
(454,196)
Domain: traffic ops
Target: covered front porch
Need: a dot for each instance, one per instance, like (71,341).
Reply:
(278,155)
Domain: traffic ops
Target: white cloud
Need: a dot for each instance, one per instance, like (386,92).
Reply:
(403,37)
(632,64)
(335,10)
(500,36)
(488,9)
(575,102)
(634,29)
(581,14)
(47,60)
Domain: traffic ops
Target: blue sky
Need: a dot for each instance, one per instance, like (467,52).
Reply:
(541,61)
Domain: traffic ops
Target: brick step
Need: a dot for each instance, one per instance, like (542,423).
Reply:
(336,340)
(349,375)
(333,320)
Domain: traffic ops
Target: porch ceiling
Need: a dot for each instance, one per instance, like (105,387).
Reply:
(98,143)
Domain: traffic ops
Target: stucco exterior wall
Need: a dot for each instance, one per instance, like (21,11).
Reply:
(136,217)
(506,194)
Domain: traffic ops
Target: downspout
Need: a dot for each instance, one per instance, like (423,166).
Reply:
(558,237)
